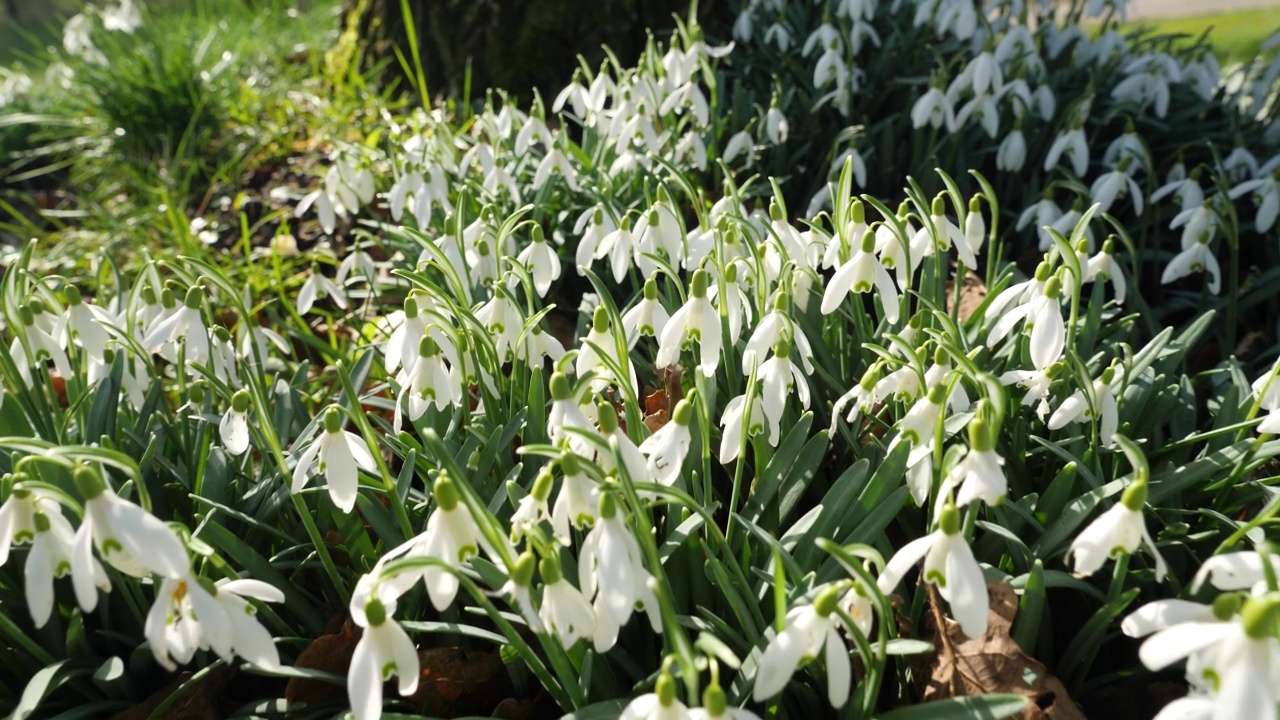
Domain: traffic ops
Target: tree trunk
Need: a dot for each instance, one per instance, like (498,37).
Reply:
(515,45)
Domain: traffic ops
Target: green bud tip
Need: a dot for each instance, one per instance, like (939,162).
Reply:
(1053,288)
(980,436)
(665,689)
(683,413)
(42,522)
(1258,616)
(89,482)
(607,417)
(653,217)
(904,208)
(148,295)
(699,285)
(625,225)
(240,401)
(975,204)
(775,210)
(825,603)
(537,235)
(663,197)
(550,570)
(949,519)
(410,307)
(37,305)
(446,492)
(600,319)
(194,298)
(597,217)
(1135,496)
(221,334)
(608,506)
(542,484)
(522,572)
(782,300)
(196,391)
(25,316)
(714,700)
(73,295)
(1226,605)
(569,464)
(939,207)
(1044,271)
(427,347)
(731,274)
(868,241)
(560,389)
(167,299)
(857,213)
(1109,245)
(941,356)
(333,420)
(1108,375)
(651,288)
(375,612)
(782,348)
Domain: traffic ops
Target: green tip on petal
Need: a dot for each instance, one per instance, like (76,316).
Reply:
(938,394)
(196,392)
(89,482)
(537,234)
(1109,245)
(857,213)
(42,522)
(1258,615)
(427,347)
(775,210)
(698,287)
(410,307)
(1226,605)
(333,420)
(240,401)
(975,204)
(1044,271)
(73,295)
(651,288)
(939,207)
(25,316)
(542,484)
(714,700)
(1053,288)
(1108,375)
(600,319)
(37,305)
(607,417)
(168,299)
(868,241)
(949,520)
(569,464)
(446,492)
(560,389)
(980,436)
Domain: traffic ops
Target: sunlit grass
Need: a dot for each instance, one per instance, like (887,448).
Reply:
(1234,36)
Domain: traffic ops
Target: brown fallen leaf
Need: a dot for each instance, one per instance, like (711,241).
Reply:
(330,653)
(994,663)
(457,682)
(199,702)
(972,294)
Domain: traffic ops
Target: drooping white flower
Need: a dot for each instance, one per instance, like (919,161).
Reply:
(337,454)
(233,429)
(778,378)
(565,612)
(127,537)
(124,17)
(810,631)
(185,325)
(592,227)
(862,273)
(1104,266)
(979,473)
(695,320)
(736,416)
(384,648)
(665,450)
(950,565)
(1074,145)
(1077,407)
(1121,529)
(933,109)
(51,539)
(541,260)
(567,413)
(776,126)
(661,704)
(612,575)
(600,359)
(427,382)
(646,317)
(1011,156)
(1196,258)
(451,536)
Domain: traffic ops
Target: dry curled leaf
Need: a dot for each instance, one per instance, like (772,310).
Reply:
(973,292)
(994,663)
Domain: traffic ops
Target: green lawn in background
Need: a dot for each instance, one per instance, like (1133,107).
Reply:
(1235,36)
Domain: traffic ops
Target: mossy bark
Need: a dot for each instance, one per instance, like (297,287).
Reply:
(515,45)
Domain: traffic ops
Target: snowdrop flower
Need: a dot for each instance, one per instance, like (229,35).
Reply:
(778,378)
(1147,83)
(838,244)
(740,143)
(1267,388)
(541,260)
(1116,184)
(633,461)
(950,565)
(87,323)
(695,320)
(579,499)
(127,537)
(451,536)
(1077,409)
(859,399)
(1036,383)
(611,573)
(1266,194)
(1043,314)
(809,630)
(600,359)
(403,343)
(172,628)
(860,274)
(384,648)
(646,317)
(40,343)
(566,413)
(715,706)
(318,286)
(1044,212)
(428,382)
(619,246)
(123,17)
(337,454)
(185,325)
(1120,529)
(1104,265)
(1235,571)
(979,474)
(933,109)
(666,449)
(1073,145)
(17,515)
(1186,190)
(234,426)
(500,316)
(947,234)
(77,39)
(592,227)
(774,327)
(1011,156)
(661,704)
(532,509)
(776,126)
(1196,258)
(735,416)
(565,613)
(51,538)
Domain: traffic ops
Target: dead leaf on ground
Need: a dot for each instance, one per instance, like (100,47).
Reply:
(457,682)
(329,653)
(199,702)
(994,663)
(973,292)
